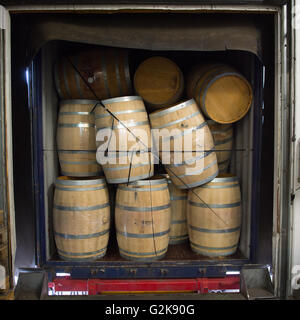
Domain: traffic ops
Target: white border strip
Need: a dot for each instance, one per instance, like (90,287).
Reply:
(142,7)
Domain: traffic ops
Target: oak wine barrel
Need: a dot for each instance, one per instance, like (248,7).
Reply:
(214,216)
(142,219)
(81,218)
(195,163)
(159,81)
(128,159)
(76,138)
(223,94)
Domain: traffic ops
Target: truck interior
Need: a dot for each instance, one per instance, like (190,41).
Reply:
(244,41)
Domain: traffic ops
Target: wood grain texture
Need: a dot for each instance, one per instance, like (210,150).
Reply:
(214,216)
(76,138)
(193,134)
(142,218)
(81,218)
(130,160)
(159,81)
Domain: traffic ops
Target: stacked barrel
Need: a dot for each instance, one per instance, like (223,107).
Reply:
(81,210)
(202,125)
(108,133)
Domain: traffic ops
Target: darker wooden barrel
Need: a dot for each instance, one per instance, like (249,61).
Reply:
(159,81)
(106,71)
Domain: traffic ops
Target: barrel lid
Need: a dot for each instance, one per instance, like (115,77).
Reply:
(240,100)
(68,181)
(121,99)
(157,114)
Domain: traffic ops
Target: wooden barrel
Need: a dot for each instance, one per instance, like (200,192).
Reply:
(223,94)
(223,139)
(81,218)
(76,139)
(159,81)
(196,162)
(142,218)
(214,216)
(3,235)
(178,230)
(1,217)
(106,70)
(127,159)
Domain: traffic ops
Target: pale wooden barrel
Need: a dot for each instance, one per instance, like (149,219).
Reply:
(188,125)
(128,159)
(142,218)
(178,230)
(223,139)
(214,216)
(76,138)
(106,70)
(223,94)
(81,218)
(159,81)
